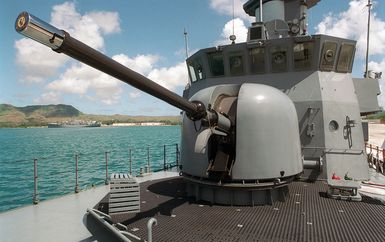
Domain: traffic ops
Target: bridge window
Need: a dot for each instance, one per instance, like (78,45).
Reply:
(191,71)
(303,55)
(195,70)
(236,64)
(328,56)
(345,59)
(278,59)
(216,63)
(257,60)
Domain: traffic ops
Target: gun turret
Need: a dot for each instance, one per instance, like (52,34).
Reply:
(61,42)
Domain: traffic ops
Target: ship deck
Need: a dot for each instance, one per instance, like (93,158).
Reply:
(306,215)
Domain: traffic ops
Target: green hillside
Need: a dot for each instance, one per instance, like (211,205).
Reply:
(41,115)
(49,111)
(35,115)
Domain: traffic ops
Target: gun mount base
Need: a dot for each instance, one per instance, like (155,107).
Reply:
(238,194)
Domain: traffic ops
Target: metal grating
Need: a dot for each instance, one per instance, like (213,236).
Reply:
(306,215)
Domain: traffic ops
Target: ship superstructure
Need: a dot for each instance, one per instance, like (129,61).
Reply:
(314,71)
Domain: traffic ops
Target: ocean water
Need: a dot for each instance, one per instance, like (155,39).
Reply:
(55,151)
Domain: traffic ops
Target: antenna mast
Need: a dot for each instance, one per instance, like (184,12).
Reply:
(186,42)
(369,5)
(233,37)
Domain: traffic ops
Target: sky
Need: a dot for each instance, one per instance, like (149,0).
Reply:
(147,36)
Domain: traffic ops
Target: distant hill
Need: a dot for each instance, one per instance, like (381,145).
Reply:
(35,115)
(41,115)
(50,111)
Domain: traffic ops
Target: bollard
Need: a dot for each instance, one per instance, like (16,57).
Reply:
(35,198)
(164,157)
(130,161)
(106,158)
(76,173)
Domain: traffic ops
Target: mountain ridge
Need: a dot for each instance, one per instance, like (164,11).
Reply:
(40,115)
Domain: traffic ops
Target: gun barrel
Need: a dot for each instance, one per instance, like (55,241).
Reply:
(61,42)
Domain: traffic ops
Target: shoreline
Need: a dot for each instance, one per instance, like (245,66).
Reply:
(102,126)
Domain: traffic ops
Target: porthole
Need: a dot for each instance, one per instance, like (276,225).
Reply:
(333,126)
(329,55)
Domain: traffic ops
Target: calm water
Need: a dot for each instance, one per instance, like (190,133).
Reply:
(55,151)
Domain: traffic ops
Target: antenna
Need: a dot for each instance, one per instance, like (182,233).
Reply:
(185,41)
(369,5)
(233,37)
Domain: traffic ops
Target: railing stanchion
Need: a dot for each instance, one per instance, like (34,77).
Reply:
(164,157)
(377,157)
(106,158)
(177,155)
(76,173)
(383,160)
(35,198)
(130,154)
(148,159)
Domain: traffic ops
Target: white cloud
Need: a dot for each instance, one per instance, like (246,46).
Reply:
(380,67)
(37,62)
(170,77)
(135,94)
(107,21)
(226,7)
(75,80)
(352,23)
(48,98)
(240,31)
(81,79)
(142,64)
(88,28)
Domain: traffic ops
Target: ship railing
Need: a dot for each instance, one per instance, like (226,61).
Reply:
(375,155)
(57,175)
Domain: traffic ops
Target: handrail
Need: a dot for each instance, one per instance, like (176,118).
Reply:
(74,165)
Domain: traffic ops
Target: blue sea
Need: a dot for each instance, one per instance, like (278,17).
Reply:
(55,150)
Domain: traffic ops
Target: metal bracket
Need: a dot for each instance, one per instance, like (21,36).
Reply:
(310,129)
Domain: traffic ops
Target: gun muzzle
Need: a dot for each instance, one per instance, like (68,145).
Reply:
(35,28)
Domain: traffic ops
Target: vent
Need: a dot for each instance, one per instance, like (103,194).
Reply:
(256,32)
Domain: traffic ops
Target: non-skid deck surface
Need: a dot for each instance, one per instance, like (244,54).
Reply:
(306,215)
